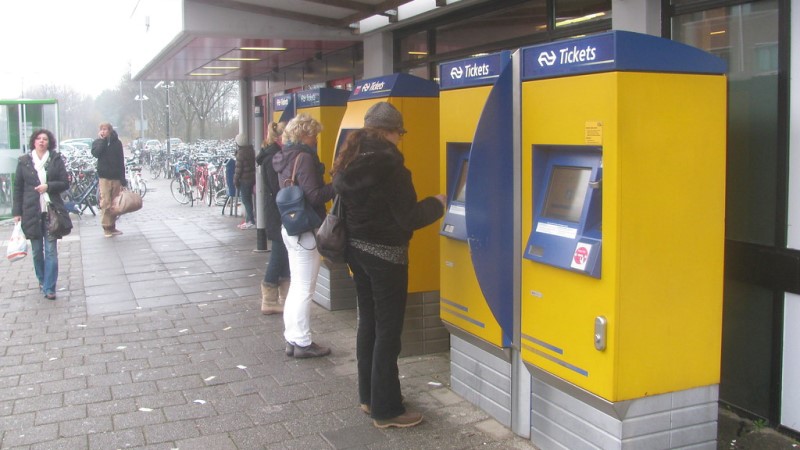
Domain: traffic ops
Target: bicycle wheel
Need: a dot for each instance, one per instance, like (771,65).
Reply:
(189,192)
(142,188)
(155,169)
(178,191)
(220,196)
(211,194)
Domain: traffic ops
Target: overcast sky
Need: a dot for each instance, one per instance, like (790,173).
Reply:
(77,43)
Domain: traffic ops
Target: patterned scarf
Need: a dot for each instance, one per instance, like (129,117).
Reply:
(41,170)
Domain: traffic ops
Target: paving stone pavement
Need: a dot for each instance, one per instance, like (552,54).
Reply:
(156,341)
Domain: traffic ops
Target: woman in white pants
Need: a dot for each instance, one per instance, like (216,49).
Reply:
(298,158)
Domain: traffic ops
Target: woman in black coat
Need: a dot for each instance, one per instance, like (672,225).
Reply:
(275,285)
(382,212)
(41,178)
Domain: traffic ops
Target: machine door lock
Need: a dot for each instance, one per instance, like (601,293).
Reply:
(600,325)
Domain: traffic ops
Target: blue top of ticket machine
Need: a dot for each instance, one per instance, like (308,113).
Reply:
(480,180)
(567,222)
(285,103)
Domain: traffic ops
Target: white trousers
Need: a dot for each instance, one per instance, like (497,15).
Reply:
(304,262)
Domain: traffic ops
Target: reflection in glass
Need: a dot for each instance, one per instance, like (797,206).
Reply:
(573,12)
(746,37)
(508,23)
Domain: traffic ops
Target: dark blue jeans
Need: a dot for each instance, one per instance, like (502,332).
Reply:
(278,266)
(45,259)
(246,192)
(382,288)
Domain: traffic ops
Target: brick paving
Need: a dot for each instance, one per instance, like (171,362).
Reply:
(156,341)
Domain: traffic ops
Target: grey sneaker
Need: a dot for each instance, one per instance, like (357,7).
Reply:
(405,420)
(311,351)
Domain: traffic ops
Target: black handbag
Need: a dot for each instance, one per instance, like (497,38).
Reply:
(332,234)
(297,215)
(58,222)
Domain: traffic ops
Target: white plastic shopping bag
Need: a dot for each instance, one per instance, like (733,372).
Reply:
(17,244)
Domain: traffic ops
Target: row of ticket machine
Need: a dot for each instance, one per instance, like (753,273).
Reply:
(583,237)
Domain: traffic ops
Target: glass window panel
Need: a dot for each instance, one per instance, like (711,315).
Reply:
(414,46)
(746,37)
(573,12)
(518,21)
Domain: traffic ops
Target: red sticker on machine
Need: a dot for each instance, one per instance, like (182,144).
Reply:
(581,256)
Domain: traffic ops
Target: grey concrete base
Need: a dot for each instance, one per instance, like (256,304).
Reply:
(423,331)
(565,417)
(335,288)
(481,377)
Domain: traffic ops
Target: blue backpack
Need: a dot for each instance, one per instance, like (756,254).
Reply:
(297,216)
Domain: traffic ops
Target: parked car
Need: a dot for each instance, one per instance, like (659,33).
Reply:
(80,142)
(152,145)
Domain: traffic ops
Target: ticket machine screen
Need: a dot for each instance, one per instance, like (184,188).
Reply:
(454,224)
(566,193)
(461,188)
(568,208)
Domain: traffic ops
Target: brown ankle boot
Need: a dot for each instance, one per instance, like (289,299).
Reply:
(283,290)
(269,299)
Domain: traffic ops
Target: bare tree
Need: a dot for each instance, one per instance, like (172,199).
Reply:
(205,97)
(74,110)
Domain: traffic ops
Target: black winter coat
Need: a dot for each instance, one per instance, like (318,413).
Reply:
(245,167)
(110,157)
(26,199)
(309,175)
(270,179)
(379,199)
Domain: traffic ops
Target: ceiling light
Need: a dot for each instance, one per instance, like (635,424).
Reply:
(717,32)
(579,19)
(264,49)
(417,53)
(203,74)
(220,67)
(239,59)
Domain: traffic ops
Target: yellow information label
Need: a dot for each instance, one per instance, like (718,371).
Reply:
(594,133)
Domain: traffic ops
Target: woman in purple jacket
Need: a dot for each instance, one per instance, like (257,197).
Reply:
(300,141)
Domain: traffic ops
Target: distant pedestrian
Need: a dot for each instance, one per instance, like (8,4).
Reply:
(107,148)
(304,259)
(276,281)
(40,179)
(244,178)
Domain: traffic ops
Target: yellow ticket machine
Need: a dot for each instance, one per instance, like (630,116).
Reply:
(283,107)
(327,105)
(418,100)
(476,268)
(623,205)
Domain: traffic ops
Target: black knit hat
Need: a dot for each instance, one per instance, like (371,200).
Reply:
(384,115)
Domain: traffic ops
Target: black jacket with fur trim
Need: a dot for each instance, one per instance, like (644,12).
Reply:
(379,199)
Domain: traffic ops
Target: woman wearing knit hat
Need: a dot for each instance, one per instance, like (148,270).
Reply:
(244,178)
(382,212)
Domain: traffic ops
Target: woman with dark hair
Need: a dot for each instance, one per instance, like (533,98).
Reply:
(382,212)
(275,285)
(244,178)
(40,179)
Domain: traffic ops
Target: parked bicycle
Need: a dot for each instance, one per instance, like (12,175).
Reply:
(133,173)
(181,185)
(217,192)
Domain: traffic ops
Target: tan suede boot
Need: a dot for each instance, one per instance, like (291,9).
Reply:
(269,299)
(283,290)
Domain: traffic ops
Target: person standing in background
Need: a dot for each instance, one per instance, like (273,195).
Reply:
(244,178)
(276,281)
(107,148)
(40,179)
